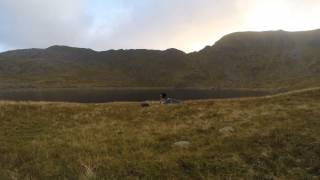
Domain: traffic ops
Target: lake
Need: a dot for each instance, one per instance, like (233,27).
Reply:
(101,95)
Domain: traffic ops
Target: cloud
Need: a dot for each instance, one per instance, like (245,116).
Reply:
(167,23)
(113,24)
(291,15)
(39,23)
(153,24)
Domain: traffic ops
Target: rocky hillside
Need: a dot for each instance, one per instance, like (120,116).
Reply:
(273,59)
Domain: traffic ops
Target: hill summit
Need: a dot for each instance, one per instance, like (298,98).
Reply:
(271,59)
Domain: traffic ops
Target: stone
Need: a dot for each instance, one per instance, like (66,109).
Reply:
(182,144)
(227,130)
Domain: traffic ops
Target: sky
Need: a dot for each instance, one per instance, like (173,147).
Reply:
(188,25)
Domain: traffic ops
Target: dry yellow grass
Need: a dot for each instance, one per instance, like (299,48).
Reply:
(252,138)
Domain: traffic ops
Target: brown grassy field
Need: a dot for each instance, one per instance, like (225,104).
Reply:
(274,137)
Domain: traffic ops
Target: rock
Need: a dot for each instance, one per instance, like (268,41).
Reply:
(182,144)
(227,130)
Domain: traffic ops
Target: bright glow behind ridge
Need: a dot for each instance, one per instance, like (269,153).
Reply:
(188,25)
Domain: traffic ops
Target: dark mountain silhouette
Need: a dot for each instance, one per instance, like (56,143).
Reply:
(272,59)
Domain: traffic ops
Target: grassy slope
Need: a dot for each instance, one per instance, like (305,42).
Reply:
(270,59)
(273,137)
(263,59)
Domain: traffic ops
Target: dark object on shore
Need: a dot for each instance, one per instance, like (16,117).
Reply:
(163,96)
(165,100)
(145,104)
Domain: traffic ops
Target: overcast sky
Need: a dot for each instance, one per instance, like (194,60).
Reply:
(188,25)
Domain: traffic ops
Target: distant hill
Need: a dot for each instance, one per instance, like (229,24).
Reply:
(264,59)
(272,59)
(61,66)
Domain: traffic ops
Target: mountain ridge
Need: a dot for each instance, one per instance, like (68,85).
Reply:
(238,32)
(268,59)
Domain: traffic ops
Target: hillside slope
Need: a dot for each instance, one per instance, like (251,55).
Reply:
(272,59)
(264,59)
(256,138)
(61,66)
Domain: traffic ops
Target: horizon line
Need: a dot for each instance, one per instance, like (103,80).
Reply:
(151,49)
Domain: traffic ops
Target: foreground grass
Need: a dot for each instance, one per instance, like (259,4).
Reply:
(270,138)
